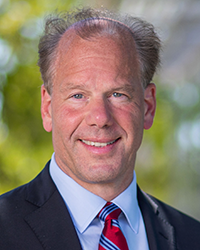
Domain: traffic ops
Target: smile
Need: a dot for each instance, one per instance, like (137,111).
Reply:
(98,144)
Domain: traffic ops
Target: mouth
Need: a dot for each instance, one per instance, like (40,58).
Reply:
(99,144)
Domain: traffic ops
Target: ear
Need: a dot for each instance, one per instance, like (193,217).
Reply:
(46,109)
(149,105)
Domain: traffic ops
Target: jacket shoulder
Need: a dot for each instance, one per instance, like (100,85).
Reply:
(19,203)
(174,216)
(27,196)
(186,229)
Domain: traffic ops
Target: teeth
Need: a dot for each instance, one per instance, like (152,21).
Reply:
(97,144)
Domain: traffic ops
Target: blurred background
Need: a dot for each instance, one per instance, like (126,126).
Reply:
(168,163)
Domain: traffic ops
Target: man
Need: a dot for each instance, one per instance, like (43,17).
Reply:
(97,98)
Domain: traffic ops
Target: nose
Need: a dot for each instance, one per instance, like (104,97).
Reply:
(99,114)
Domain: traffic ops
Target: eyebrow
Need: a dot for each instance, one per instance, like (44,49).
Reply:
(125,87)
(129,88)
(71,85)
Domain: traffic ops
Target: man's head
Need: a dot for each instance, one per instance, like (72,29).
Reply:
(96,104)
(88,24)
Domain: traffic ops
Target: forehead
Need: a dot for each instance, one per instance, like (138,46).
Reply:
(114,52)
(76,47)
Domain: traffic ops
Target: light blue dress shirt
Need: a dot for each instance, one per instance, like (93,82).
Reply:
(84,206)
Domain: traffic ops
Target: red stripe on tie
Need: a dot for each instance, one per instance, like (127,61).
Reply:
(112,237)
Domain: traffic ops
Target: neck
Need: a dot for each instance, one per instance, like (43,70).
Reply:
(107,191)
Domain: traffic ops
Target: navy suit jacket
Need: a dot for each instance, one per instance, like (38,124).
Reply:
(35,217)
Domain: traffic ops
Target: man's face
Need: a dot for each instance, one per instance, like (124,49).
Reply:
(97,111)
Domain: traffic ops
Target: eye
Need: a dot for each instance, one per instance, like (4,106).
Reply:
(78,96)
(115,94)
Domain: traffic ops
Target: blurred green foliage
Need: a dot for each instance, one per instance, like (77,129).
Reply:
(24,145)
(166,167)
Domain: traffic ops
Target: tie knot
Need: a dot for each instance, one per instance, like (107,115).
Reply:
(109,212)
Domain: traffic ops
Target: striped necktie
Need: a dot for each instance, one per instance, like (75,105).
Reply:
(112,237)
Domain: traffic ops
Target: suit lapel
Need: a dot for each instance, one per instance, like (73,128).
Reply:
(160,233)
(50,221)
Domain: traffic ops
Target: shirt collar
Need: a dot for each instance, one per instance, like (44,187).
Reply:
(128,203)
(84,206)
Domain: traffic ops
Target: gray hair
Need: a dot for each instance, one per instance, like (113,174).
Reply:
(85,23)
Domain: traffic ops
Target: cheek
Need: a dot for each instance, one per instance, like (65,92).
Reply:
(131,114)
(66,119)
(131,121)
